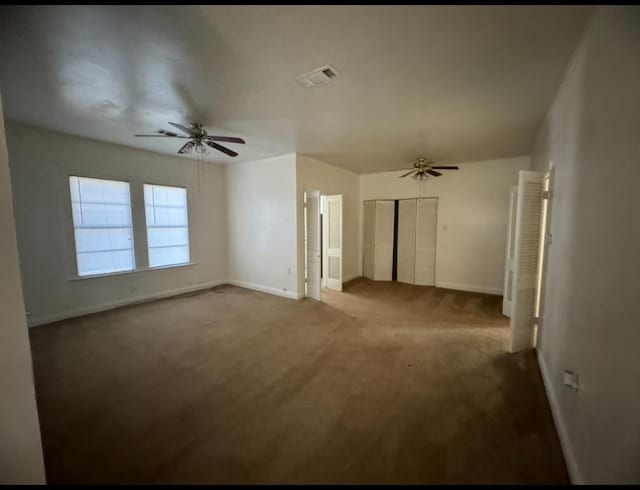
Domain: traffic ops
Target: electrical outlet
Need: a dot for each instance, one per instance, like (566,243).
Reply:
(570,380)
(289,271)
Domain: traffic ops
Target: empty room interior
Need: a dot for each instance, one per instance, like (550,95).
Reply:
(319,244)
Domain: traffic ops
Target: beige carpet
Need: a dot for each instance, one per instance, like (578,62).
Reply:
(385,383)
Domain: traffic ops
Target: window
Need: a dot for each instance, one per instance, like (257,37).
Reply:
(102,225)
(167,225)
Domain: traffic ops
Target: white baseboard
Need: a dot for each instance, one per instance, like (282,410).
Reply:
(63,315)
(469,287)
(265,289)
(565,443)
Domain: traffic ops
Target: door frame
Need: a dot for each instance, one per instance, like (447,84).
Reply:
(543,254)
(314,193)
(507,294)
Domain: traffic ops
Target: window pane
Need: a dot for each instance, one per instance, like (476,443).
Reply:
(168,256)
(91,263)
(163,237)
(102,222)
(167,225)
(102,239)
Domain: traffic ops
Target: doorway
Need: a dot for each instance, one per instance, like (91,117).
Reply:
(525,270)
(323,243)
(331,241)
(545,241)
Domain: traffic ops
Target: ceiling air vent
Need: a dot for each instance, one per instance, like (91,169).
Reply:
(318,76)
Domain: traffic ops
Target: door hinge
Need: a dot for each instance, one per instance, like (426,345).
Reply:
(545,194)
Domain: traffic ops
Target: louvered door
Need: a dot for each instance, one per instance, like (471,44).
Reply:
(525,259)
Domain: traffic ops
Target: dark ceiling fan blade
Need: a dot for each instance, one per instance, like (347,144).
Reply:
(182,128)
(409,172)
(221,148)
(445,168)
(161,134)
(187,146)
(434,173)
(170,133)
(227,139)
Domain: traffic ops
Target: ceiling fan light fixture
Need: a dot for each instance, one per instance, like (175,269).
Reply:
(198,138)
(422,167)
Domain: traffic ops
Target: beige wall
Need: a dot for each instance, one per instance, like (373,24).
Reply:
(262,235)
(40,164)
(313,174)
(591,314)
(473,207)
(20,446)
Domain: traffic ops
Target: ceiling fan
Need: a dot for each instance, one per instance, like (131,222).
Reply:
(422,167)
(198,139)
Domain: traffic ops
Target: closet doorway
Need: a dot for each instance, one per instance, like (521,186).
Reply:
(400,240)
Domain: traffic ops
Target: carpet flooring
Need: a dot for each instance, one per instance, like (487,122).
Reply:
(383,383)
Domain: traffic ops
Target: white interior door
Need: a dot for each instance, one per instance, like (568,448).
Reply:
(525,259)
(383,251)
(312,246)
(426,228)
(368,239)
(508,263)
(407,209)
(333,233)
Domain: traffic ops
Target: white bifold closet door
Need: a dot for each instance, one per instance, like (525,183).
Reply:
(369,239)
(312,218)
(333,241)
(383,242)
(426,228)
(407,209)
(525,259)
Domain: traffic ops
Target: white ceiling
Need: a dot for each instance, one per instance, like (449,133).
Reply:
(452,83)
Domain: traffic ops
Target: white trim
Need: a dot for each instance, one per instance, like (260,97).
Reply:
(134,271)
(468,287)
(561,428)
(266,289)
(54,317)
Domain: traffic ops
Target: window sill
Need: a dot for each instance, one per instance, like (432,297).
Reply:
(135,271)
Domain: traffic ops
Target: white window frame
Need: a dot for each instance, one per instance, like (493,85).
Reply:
(146,225)
(73,226)
(136,189)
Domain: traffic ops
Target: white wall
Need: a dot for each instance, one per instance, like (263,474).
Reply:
(40,164)
(473,208)
(262,234)
(21,460)
(313,174)
(591,312)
